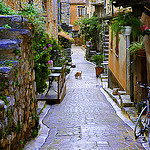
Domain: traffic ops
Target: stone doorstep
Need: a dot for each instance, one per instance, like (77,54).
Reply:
(131,112)
(128,106)
(122,93)
(114,97)
(104,80)
(126,101)
(115,91)
(104,76)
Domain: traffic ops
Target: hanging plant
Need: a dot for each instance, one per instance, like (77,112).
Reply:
(137,48)
(146,30)
(123,19)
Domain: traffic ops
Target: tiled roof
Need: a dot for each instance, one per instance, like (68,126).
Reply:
(63,34)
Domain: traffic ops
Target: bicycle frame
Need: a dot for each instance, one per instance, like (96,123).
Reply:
(146,123)
(148,113)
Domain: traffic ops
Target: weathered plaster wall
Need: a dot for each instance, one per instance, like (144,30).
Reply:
(117,64)
(73,15)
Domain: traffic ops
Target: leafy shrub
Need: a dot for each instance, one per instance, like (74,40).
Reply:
(90,29)
(45,48)
(6,10)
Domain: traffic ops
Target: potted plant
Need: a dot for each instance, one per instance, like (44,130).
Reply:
(137,48)
(98,59)
(123,19)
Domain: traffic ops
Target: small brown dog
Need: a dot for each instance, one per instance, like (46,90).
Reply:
(78,74)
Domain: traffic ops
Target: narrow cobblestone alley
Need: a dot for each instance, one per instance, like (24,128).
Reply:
(85,120)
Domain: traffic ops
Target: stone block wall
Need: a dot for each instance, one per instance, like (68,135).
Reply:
(65,12)
(18,104)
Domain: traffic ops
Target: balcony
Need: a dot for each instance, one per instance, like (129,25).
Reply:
(97,2)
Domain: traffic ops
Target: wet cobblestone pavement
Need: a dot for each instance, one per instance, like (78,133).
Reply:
(85,120)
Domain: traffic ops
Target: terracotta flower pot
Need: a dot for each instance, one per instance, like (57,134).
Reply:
(98,70)
(141,52)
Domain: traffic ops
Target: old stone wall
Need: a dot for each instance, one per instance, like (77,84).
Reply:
(18,114)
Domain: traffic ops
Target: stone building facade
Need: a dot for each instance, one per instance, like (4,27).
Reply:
(18,104)
(125,71)
(49,9)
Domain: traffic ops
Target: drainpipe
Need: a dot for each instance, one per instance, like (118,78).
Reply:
(127,64)
(127,34)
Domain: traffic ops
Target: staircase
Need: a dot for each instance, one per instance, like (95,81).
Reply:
(104,76)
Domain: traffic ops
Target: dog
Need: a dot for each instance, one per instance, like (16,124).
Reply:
(78,75)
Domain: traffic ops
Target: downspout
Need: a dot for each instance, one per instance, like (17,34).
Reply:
(127,65)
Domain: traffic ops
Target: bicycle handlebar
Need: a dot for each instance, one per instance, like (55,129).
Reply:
(143,85)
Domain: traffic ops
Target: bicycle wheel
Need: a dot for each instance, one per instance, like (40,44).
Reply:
(141,123)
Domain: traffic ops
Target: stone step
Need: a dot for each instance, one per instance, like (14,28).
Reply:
(106,50)
(13,33)
(107,35)
(104,80)
(106,54)
(131,112)
(106,46)
(126,101)
(105,59)
(14,21)
(92,52)
(105,62)
(7,44)
(106,43)
(122,92)
(104,76)
(106,40)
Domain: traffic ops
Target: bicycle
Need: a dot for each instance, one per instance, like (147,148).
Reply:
(142,126)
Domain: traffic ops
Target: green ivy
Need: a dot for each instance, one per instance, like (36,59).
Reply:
(9,63)
(6,26)
(21,142)
(6,10)
(16,52)
(43,46)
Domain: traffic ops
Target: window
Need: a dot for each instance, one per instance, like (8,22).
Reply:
(81,11)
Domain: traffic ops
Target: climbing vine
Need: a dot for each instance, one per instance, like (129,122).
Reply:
(6,10)
(46,48)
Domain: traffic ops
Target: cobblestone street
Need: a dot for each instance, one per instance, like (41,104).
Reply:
(85,120)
